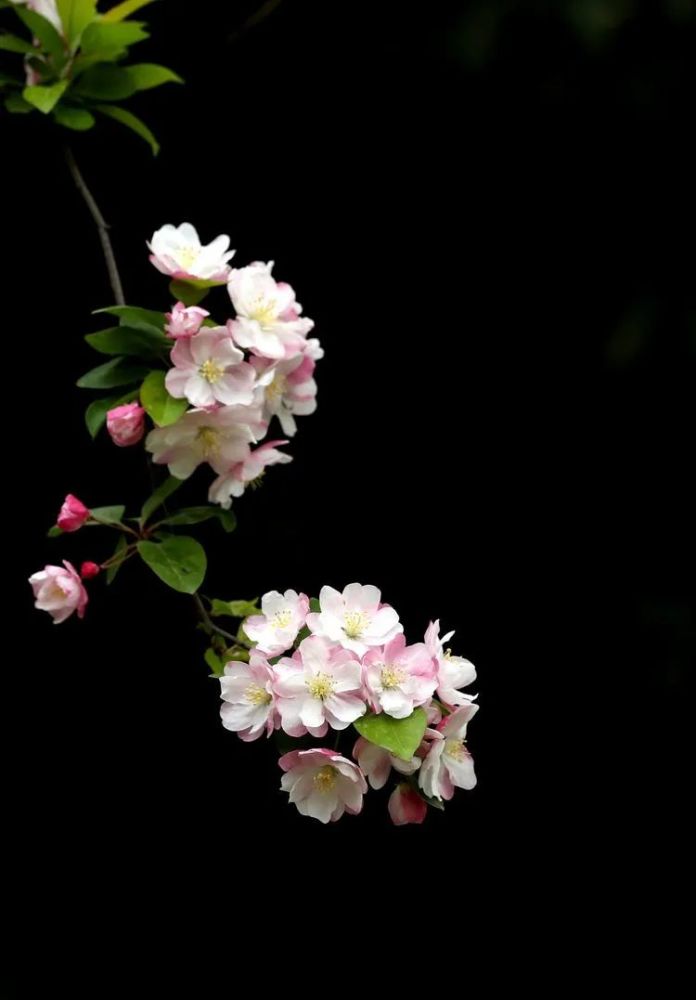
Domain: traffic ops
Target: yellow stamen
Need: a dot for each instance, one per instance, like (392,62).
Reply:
(211,371)
(277,388)
(320,686)
(187,257)
(209,442)
(264,311)
(256,695)
(282,619)
(391,677)
(355,623)
(456,749)
(325,778)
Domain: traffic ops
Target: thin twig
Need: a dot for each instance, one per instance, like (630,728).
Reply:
(102,227)
(208,623)
(264,11)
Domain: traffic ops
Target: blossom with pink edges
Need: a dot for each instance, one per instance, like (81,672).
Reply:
(406,806)
(268,320)
(249,470)
(209,369)
(184,321)
(219,437)
(126,424)
(247,690)
(448,764)
(376,763)
(178,251)
(282,616)
(322,784)
(454,672)
(320,686)
(59,591)
(289,389)
(399,678)
(356,618)
(73,514)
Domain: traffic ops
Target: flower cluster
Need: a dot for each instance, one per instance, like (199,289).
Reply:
(234,377)
(346,662)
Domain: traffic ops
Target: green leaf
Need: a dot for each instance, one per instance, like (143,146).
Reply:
(75,15)
(402,737)
(162,407)
(124,10)
(234,609)
(158,497)
(78,119)
(194,515)
(111,374)
(47,35)
(179,561)
(184,291)
(95,414)
(108,515)
(314,605)
(102,36)
(10,43)
(130,121)
(214,662)
(127,340)
(111,572)
(145,76)
(54,531)
(106,82)
(138,319)
(45,97)
(16,104)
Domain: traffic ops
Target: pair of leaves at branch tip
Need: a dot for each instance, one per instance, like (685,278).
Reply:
(95,414)
(159,496)
(195,515)
(234,609)
(138,342)
(112,374)
(400,737)
(178,560)
(163,408)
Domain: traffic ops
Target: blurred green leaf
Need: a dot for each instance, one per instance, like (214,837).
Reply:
(179,561)
(10,43)
(47,35)
(106,82)
(111,572)
(401,737)
(184,291)
(54,531)
(16,104)
(195,515)
(130,121)
(126,340)
(78,119)
(101,36)
(214,662)
(162,407)
(108,515)
(135,317)
(45,97)
(234,609)
(145,76)
(112,374)
(75,15)
(165,489)
(124,10)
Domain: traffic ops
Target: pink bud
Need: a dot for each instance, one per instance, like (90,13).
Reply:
(126,424)
(73,514)
(89,570)
(183,322)
(406,806)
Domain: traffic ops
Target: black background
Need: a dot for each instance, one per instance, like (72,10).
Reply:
(488,210)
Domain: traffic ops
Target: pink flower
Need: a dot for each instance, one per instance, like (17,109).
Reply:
(268,317)
(275,630)
(406,806)
(247,691)
(448,763)
(454,672)
(322,784)
(219,437)
(376,763)
(233,482)
(88,570)
(355,618)
(209,369)
(59,591)
(399,678)
(73,514)
(289,390)
(126,424)
(183,321)
(320,686)
(178,251)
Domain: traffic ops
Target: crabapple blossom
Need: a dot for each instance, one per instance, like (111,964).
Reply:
(209,369)
(73,514)
(376,763)
(289,389)
(184,321)
(59,590)
(322,784)
(219,437)
(406,806)
(319,686)
(282,617)
(177,250)
(268,319)
(233,482)
(88,570)
(454,672)
(399,678)
(356,618)
(246,689)
(126,424)
(448,763)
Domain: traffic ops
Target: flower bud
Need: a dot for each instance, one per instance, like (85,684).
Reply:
(126,424)
(73,514)
(406,806)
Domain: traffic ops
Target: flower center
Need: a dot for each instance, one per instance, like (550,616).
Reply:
(211,371)
(256,695)
(320,686)
(187,257)
(456,749)
(208,438)
(56,592)
(325,778)
(282,619)
(355,623)
(391,677)
(277,388)
(264,311)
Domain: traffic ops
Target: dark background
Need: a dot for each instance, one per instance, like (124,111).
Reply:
(488,209)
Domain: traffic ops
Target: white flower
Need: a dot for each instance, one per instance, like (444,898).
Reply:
(234,481)
(268,317)
(287,388)
(283,615)
(454,672)
(355,618)
(178,251)
(246,689)
(219,437)
(376,763)
(448,763)
(322,784)
(209,369)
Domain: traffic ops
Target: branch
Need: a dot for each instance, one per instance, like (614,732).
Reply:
(209,624)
